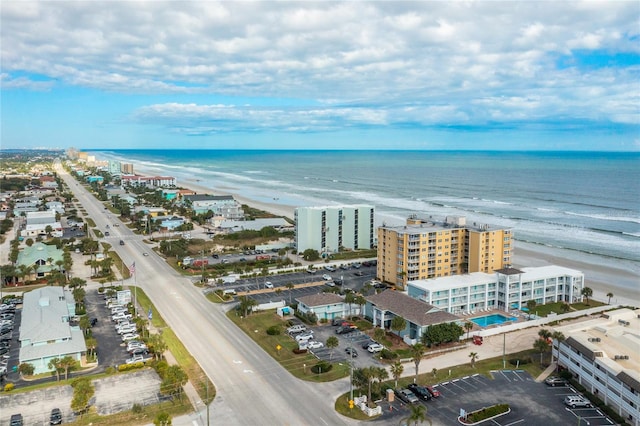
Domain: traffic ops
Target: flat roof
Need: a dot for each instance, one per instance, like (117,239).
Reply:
(454,281)
(541,272)
(611,341)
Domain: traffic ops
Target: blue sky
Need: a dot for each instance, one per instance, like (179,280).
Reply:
(311,75)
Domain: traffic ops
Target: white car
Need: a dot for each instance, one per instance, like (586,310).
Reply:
(127,330)
(315,345)
(327,277)
(138,358)
(268,284)
(375,347)
(130,336)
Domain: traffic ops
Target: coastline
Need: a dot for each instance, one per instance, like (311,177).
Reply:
(600,277)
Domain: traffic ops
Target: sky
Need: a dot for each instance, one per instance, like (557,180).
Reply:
(512,75)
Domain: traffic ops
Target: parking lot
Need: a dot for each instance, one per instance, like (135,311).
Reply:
(531,403)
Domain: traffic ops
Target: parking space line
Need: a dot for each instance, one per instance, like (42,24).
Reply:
(513,423)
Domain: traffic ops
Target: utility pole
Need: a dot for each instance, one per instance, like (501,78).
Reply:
(504,348)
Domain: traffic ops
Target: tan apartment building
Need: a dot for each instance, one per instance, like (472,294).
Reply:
(424,249)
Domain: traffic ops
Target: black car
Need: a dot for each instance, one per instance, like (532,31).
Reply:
(351,351)
(420,391)
(138,351)
(56,417)
(358,273)
(16,420)
(94,321)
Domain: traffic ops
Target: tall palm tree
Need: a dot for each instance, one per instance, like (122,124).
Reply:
(474,357)
(289,287)
(541,346)
(396,371)
(332,343)
(609,295)
(587,292)
(55,365)
(468,325)
(417,352)
(349,298)
(360,301)
(418,414)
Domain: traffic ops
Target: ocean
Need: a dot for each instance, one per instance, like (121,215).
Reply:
(584,202)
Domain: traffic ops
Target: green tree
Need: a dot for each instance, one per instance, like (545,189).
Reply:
(418,414)
(417,351)
(246,303)
(609,295)
(379,334)
(544,334)
(398,324)
(565,307)
(474,357)
(468,326)
(531,305)
(157,345)
(162,419)
(68,364)
(26,369)
(84,324)
(587,292)
(396,371)
(360,301)
(83,391)
(310,255)
(290,287)
(173,381)
(541,346)
(55,365)
(349,299)
(332,343)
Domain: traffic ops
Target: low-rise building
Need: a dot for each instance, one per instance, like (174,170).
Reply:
(325,305)
(40,259)
(220,205)
(381,308)
(505,289)
(603,355)
(46,332)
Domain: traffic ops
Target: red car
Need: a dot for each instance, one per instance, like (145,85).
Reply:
(434,392)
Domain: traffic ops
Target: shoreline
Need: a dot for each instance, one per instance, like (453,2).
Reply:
(599,276)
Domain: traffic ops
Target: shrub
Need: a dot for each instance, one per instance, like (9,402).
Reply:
(9,387)
(518,361)
(137,408)
(323,320)
(387,354)
(322,367)
(487,412)
(298,351)
(274,330)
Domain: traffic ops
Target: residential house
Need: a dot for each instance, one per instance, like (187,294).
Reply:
(41,259)
(45,331)
(324,305)
(381,308)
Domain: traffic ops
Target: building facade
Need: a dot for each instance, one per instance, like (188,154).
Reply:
(506,289)
(603,355)
(424,249)
(331,228)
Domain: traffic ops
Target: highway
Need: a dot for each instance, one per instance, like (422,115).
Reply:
(252,388)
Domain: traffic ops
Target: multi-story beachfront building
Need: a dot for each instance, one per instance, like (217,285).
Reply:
(328,229)
(507,288)
(603,355)
(148,181)
(424,249)
(115,168)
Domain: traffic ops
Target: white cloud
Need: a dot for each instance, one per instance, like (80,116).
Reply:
(379,63)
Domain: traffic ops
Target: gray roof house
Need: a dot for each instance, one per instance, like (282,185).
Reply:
(383,307)
(45,332)
(324,305)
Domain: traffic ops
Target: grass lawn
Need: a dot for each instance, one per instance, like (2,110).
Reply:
(544,310)
(256,325)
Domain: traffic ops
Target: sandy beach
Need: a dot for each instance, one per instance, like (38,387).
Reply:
(600,277)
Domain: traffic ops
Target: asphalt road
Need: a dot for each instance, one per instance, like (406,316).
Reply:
(252,388)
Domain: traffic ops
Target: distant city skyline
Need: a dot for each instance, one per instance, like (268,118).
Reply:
(486,75)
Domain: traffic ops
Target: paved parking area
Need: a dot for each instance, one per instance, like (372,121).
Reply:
(531,403)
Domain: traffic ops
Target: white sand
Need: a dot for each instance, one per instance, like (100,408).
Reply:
(599,276)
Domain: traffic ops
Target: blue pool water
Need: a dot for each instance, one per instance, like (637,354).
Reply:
(492,319)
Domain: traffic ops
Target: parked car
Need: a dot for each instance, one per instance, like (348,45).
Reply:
(135,344)
(16,420)
(56,417)
(434,392)
(575,401)
(351,351)
(375,347)
(306,336)
(298,328)
(338,321)
(358,273)
(121,242)
(130,336)
(138,358)
(344,329)
(327,277)
(420,391)
(556,381)
(93,322)
(407,396)
(138,351)
(315,345)
(268,284)
(330,268)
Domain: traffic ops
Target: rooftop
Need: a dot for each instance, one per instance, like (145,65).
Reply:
(320,299)
(412,310)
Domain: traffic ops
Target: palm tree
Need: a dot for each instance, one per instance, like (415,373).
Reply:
(587,292)
(418,414)
(417,352)
(396,371)
(332,343)
(468,325)
(360,301)
(531,305)
(289,287)
(55,365)
(565,307)
(349,298)
(609,295)
(474,356)
(541,346)
(544,334)
(398,324)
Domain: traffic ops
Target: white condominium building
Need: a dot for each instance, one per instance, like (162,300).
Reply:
(507,288)
(603,355)
(330,228)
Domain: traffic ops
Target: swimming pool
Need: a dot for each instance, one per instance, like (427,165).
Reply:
(492,319)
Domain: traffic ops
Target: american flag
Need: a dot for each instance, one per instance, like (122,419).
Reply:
(132,268)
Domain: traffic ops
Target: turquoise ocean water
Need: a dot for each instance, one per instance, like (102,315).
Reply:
(584,202)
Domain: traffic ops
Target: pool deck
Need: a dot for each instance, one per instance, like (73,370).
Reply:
(518,315)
